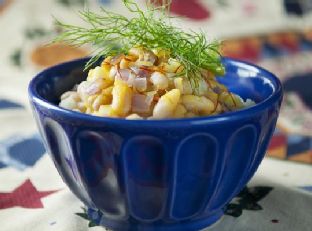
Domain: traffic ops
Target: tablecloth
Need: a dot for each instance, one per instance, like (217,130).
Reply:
(32,194)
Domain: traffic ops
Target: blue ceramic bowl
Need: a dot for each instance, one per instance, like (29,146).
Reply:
(175,174)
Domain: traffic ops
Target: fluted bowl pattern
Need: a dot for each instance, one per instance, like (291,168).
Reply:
(157,175)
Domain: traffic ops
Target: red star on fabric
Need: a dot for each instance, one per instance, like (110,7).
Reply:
(25,196)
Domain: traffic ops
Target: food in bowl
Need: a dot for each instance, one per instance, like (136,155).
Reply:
(152,69)
(148,84)
(161,174)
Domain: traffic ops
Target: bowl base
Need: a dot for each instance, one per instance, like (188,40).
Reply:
(97,218)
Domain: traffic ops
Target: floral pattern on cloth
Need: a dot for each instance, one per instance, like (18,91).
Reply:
(4,4)
(288,54)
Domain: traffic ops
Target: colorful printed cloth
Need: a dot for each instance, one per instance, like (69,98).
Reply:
(32,194)
(288,54)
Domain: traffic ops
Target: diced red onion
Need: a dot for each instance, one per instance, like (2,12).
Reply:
(141,103)
(135,69)
(123,74)
(140,84)
(140,72)
(131,79)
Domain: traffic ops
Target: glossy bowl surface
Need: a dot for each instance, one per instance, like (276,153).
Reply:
(175,174)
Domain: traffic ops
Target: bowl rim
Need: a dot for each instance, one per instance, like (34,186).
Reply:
(34,97)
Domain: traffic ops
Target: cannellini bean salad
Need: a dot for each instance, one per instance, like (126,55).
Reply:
(148,84)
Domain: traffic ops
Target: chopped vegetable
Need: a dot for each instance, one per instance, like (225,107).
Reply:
(152,69)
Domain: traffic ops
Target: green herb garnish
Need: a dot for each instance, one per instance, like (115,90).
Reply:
(112,33)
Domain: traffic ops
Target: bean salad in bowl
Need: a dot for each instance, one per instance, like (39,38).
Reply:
(148,84)
(151,70)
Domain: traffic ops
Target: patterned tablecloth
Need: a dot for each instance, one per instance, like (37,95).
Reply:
(279,197)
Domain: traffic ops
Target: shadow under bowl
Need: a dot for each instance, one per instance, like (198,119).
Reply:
(173,174)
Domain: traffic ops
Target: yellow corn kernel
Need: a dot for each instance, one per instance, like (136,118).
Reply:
(190,115)
(124,64)
(215,98)
(173,66)
(167,104)
(231,100)
(131,58)
(71,94)
(122,95)
(108,90)
(183,85)
(112,73)
(136,51)
(95,73)
(134,117)
(68,103)
(198,104)
(221,86)
(159,80)
(211,83)
(106,111)
(106,69)
(162,54)
(101,100)
(90,101)
(98,85)
(180,111)
(81,107)
(143,63)
(217,109)
(89,111)
(107,60)
(100,73)
(212,96)
(178,83)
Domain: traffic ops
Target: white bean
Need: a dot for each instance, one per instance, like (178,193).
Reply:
(159,80)
(167,104)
